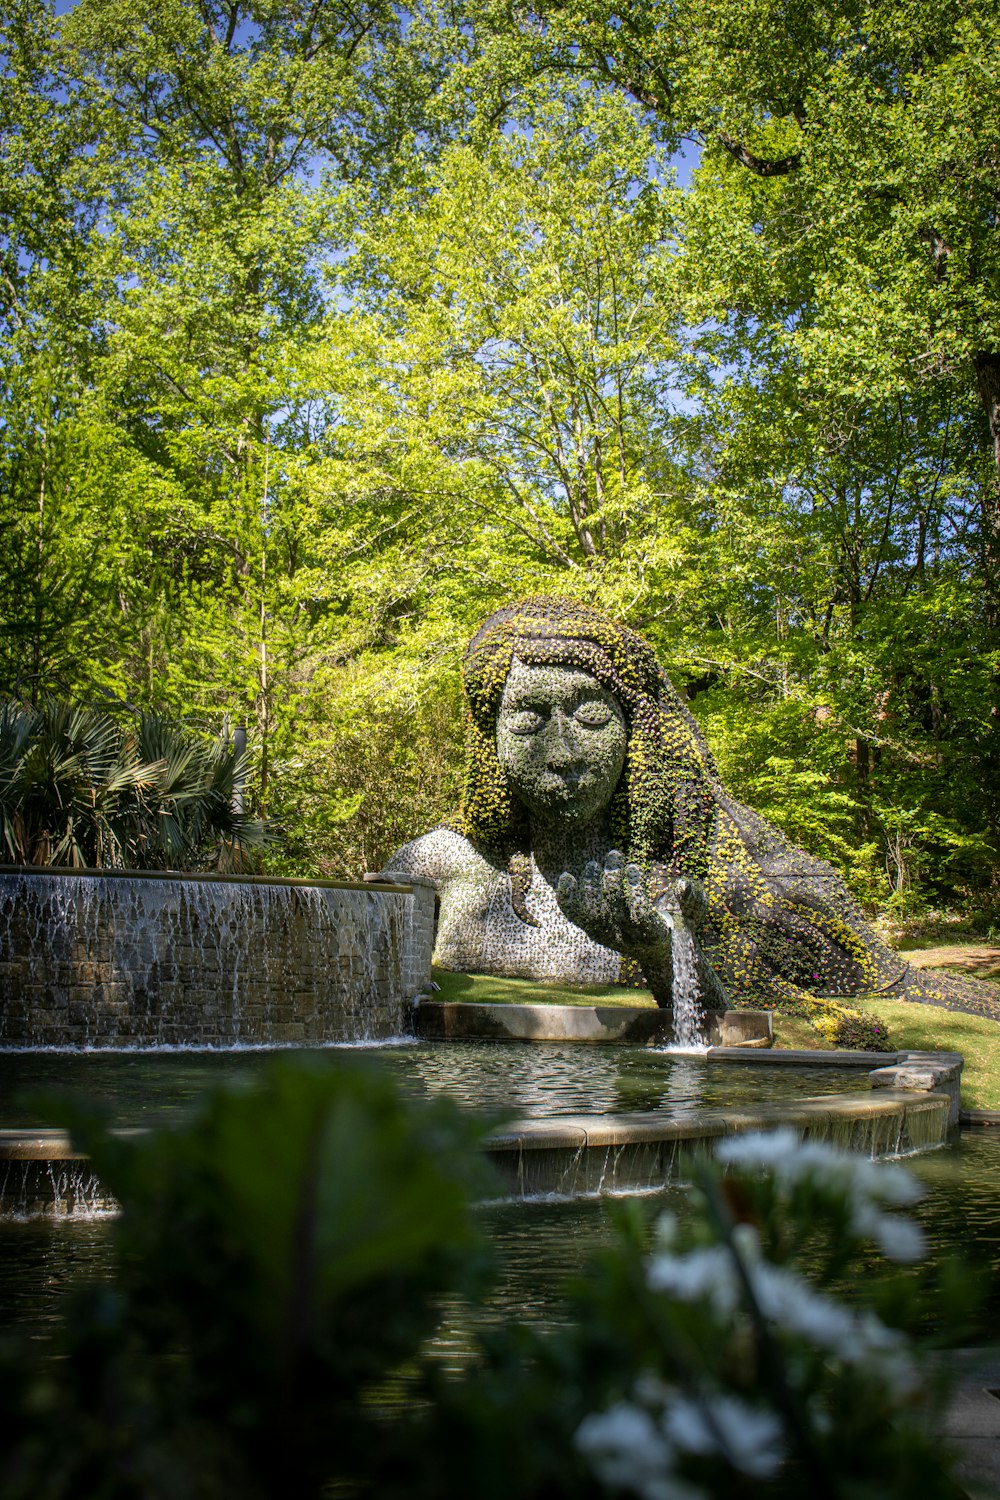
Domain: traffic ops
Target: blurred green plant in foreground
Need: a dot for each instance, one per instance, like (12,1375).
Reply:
(280,1268)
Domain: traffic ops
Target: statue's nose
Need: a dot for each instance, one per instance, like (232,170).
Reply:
(564,747)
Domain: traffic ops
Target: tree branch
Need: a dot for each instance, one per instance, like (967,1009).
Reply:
(778,166)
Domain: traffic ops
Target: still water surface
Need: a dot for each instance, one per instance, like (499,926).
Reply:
(540,1244)
(507,1078)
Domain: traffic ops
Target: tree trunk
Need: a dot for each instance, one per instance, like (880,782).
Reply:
(988,384)
(862,782)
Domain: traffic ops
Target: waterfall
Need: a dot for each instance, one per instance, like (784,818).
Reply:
(107,959)
(687,988)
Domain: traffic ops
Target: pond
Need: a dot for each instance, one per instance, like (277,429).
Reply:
(143,1087)
(540,1243)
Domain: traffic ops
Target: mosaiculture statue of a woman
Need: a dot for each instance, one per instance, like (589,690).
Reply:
(595,836)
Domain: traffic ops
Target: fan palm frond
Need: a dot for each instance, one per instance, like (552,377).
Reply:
(79,788)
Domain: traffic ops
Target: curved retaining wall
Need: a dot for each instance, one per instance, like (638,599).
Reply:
(144,959)
(583,1155)
(43,1174)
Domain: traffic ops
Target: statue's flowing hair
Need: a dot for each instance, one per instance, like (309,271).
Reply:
(664,806)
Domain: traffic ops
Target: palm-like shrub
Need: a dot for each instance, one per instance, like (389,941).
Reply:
(79,787)
(191,807)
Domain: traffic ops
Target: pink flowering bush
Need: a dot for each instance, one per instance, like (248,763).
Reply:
(868,1033)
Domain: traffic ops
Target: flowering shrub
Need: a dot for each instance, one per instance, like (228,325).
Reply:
(868,1033)
(843,1026)
(722,1360)
(760,1380)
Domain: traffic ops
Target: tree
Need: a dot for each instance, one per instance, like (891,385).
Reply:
(845,680)
(80,788)
(841,225)
(49,211)
(188,183)
(511,347)
(848,187)
(498,427)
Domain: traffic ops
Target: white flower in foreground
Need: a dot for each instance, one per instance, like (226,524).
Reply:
(626,1448)
(750,1438)
(898,1237)
(630,1449)
(866,1186)
(789,1302)
(710,1274)
(855,1338)
(666,1231)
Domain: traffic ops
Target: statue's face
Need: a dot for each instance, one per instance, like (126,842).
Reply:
(561,739)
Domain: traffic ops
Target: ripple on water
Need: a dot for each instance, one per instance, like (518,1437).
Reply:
(540,1245)
(501,1078)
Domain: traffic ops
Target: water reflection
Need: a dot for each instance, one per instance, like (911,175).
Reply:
(40,1259)
(499,1078)
(540,1246)
(683,1093)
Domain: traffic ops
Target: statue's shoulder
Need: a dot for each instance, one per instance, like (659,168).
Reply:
(440,855)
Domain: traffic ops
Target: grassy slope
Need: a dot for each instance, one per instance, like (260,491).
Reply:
(929,1028)
(489,989)
(920,1027)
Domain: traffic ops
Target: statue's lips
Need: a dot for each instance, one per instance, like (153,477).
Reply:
(566,784)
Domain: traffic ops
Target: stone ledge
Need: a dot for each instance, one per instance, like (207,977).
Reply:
(589,1155)
(923,1072)
(627,1129)
(207,877)
(569,1155)
(49,1145)
(575,1131)
(804,1057)
(454,1020)
(440,1020)
(392,882)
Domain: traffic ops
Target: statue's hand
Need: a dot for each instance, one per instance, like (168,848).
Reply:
(691,899)
(613,906)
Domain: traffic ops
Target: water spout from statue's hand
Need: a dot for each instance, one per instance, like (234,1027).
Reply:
(692,902)
(614,906)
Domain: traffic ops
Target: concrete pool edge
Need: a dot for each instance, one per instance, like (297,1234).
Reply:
(707,1124)
(543,1021)
(899,1074)
(443,1020)
(55,1145)
(587,1155)
(43,1174)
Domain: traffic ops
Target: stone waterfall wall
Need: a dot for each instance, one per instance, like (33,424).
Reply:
(121,959)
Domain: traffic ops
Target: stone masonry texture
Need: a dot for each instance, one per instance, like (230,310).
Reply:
(91,960)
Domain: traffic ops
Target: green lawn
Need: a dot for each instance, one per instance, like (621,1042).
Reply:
(923,1028)
(490,989)
(928,1028)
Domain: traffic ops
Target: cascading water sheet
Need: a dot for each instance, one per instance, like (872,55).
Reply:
(118,959)
(687,990)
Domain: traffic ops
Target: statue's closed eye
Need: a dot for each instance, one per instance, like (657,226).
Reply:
(594,714)
(524,721)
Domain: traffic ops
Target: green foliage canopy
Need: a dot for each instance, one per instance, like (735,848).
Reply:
(327,329)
